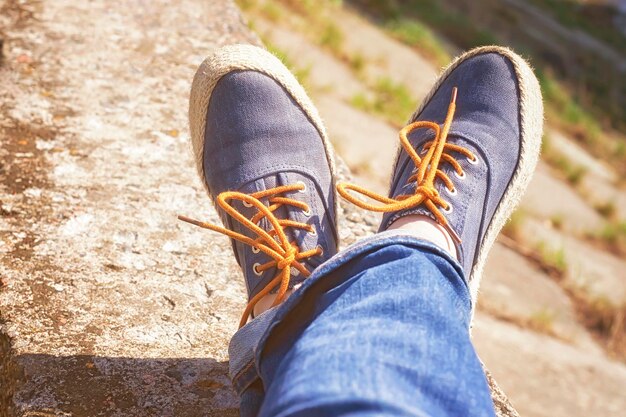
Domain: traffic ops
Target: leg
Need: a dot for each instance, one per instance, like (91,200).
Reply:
(265,160)
(390,339)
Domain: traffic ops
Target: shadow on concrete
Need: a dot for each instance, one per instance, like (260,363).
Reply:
(86,385)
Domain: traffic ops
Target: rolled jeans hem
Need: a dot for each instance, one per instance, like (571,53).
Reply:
(246,346)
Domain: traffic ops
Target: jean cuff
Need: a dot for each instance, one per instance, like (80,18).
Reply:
(247,344)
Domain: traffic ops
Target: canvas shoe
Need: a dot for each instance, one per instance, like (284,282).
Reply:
(263,155)
(467,154)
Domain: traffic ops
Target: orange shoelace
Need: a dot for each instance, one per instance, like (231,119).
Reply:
(274,243)
(427,170)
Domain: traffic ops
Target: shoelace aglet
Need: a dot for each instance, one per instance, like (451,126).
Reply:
(454,92)
(192,221)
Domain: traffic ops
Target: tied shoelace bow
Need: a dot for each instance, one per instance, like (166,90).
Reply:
(427,170)
(274,243)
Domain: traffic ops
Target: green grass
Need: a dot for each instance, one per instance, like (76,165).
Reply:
(542,321)
(605,319)
(614,232)
(429,13)
(411,20)
(332,37)
(419,36)
(620,149)
(246,5)
(553,258)
(606,209)
(563,109)
(271,11)
(577,14)
(513,226)
(390,100)
(612,237)
(301,74)
(572,172)
(321,28)
(557,221)
(357,63)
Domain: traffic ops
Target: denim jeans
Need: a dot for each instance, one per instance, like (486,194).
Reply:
(381,329)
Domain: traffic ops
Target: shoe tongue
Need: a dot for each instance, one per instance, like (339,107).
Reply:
(420,136)
(282,212)
(417,138)
(299,237)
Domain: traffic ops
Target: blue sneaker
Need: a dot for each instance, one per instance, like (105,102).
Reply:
(263,155)
(469,172)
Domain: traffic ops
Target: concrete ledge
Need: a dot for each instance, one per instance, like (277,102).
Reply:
(110,306)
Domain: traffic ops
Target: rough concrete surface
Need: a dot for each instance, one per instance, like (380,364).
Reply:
(110,306)
(550,377)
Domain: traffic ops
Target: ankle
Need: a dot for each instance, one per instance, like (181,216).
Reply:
(424,227)
(266,303)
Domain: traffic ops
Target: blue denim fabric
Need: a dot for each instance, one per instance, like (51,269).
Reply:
(381,329)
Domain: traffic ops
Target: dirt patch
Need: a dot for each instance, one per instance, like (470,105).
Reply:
(22,163)
(535,323)
(18,12)
(23,170)
(605,321)
(9,374)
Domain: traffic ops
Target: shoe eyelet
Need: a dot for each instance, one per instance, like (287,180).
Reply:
(448,210)
(303,190)
(256,270)
(461,176)
(246,204)
(313,232)
(307,213)
(473,161)
(321,250)
(453,192)
(255,249)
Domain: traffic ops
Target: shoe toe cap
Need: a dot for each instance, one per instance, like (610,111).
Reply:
(253,127)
